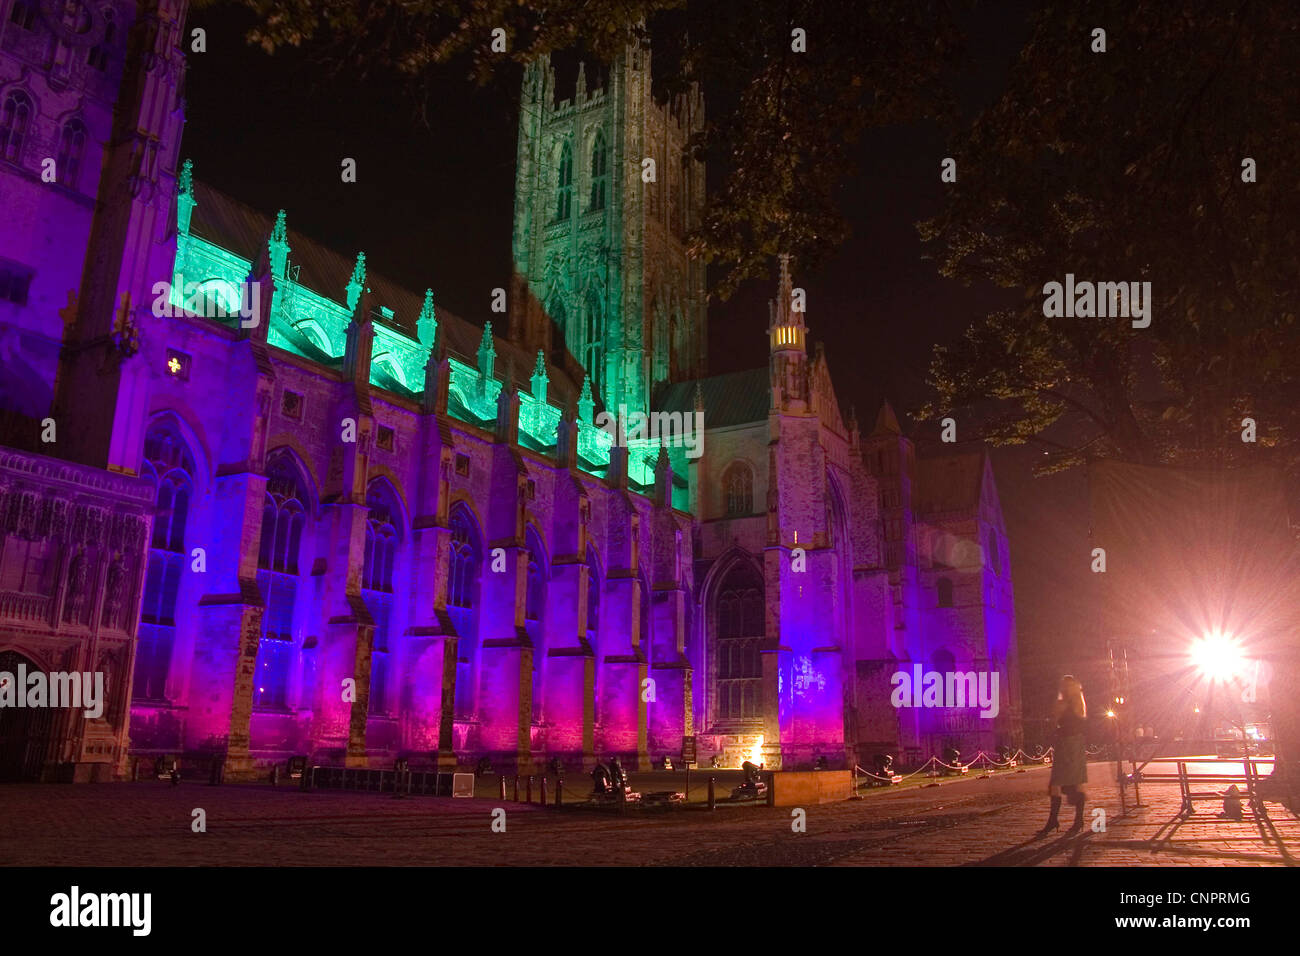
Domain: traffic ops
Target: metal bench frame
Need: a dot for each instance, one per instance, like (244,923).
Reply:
(1249,776)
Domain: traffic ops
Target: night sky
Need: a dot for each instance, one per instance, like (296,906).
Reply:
(432,206)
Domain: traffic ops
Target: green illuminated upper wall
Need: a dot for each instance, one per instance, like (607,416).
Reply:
(309,324)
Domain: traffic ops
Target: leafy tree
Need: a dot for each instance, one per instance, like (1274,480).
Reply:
(781,121)
(1128,165)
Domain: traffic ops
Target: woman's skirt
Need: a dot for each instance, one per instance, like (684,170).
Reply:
(1069,762)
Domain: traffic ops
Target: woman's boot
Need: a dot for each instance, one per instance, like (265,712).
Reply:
(1052,822)
(1077,799)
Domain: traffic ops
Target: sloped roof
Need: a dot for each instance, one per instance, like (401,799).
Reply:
(949,482)
(238,228)
(736,398)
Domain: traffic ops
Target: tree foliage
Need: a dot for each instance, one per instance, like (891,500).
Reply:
(782,122)
(1128,166)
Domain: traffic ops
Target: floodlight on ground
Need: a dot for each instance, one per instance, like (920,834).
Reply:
(1217,656)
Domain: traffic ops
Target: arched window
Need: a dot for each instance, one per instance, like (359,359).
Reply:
(284,513)
(593,597)
(462,579)
(738,485)
(944,588)
(98,55)
(599,173)
(594,340)
(72,143)
(15,116)
(559,341)
(535,594)
(995,555)
(382,539)
(942,661)
(564,191)
(740,630)
(462,597)
(169,465)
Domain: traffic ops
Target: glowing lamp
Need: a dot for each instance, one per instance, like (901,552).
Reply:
(1217,656)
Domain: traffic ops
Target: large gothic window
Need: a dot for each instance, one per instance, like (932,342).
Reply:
(284,514)
(594,341)
(15,116)
(564,191)
(169,465)
(462,599)
(740,630)
(382,539)
(599,173)
(593,597)
(535,596)
(72,143)
(559,340)
(738,485)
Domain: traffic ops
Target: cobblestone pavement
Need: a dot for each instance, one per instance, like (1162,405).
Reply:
(968,821)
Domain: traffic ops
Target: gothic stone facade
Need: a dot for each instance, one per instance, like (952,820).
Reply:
(358,527)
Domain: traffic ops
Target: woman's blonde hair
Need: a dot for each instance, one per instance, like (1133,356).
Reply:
(1076,689)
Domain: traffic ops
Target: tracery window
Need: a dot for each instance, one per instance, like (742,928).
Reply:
(169,465)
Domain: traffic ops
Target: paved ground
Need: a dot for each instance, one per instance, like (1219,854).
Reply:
(969,821)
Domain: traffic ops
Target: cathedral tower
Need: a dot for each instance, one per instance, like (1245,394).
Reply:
(604,200)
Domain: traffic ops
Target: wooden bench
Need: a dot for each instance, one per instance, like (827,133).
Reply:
(1194,774)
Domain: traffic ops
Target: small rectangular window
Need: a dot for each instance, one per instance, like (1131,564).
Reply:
(23,14)
(291,405)
(385,438)
(15,281)
(462,465)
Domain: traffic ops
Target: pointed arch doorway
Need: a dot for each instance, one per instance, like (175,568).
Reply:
(25,732)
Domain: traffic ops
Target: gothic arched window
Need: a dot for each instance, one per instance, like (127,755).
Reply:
(594,340)
(15,116)
(169,465)
(383,536)
(738,484)
(535,594)
(593,597)
(462,578)
(944,588)
(284,513)
(599,173)
(559,341)
(564,191)
(462,597)
(740,628)
(72,143)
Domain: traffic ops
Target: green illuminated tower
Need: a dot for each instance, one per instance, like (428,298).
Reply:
(604,199)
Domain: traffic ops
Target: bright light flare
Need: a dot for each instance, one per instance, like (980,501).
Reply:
(1218,656)
(756,752)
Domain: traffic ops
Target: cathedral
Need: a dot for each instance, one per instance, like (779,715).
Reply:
(287,506)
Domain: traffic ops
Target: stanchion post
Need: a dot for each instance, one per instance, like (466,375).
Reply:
(503,787)
(713,797)
(516,788)
(559,791)
(530,789)
(543,790)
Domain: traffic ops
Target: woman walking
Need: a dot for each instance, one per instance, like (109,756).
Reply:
(1069,758)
